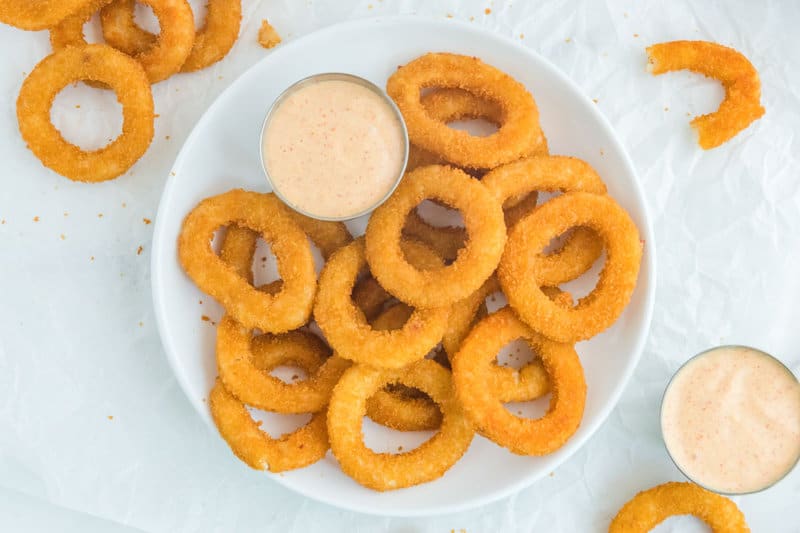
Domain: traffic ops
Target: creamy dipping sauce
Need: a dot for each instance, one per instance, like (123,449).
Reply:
(731,419)
(334,148)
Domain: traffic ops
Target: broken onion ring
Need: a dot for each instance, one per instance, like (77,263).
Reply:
(741,105)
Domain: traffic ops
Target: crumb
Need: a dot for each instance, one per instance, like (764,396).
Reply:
(146,221)
(63,237)
(635,35)
(77,106)
(99,215)
(166,137)
(36,219)
(3,221)
(204,318)
(201,302)
(66,213)
(268,37)
(602,152)
(139,250)
(399,448)
(171,173)
(519,413)
(666,109)
(124,205)
(259,423)
(595,100)
(471,19)
(141,324)
(111,417)
(568,39)
(369,6)
(219,77)
(688,114)
(488,11)
(91,258)
(264,259)
(521,35)
(295,377)
(552,474)
(156,115)
(449,15)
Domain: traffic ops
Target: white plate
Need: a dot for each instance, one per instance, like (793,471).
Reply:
(222,153)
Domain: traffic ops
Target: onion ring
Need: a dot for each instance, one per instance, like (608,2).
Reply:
(476,389)
(741,105)
(303,447)
(93,62)
(242,359)
(449,105)
(520,267)
(483,219)
(37,15)
(553,174)
(211,43)
(287,310)
(346,328)
(441,70)
(385,471)
(164,55)
(397,406)
(651,507)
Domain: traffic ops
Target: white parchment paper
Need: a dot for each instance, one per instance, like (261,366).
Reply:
(96,435)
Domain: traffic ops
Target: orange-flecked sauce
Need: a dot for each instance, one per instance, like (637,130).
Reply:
(333,148)
(731,420)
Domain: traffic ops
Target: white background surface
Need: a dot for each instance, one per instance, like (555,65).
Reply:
(78,341)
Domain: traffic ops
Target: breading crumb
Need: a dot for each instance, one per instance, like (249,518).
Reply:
(268,37)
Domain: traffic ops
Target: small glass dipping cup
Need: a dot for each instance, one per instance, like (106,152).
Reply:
(323,77)
(664,431)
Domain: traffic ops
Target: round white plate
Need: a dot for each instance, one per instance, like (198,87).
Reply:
(223,153)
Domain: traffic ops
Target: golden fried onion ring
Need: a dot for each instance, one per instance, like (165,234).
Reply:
(211,43)
(164,55)
(553,174)
(483,219)
(386,471)
(442,70)
(473,374)
(741,105)
(93,62)
(37,14)
(651,507)
(302,447)
(288,309)
(346,328)
(242,359)
(520,268)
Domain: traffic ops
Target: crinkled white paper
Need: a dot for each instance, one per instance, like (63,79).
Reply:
(95,433)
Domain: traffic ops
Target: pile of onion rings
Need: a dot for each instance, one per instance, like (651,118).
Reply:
(651,507)
(132,60)
(408,335)
(741,105)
